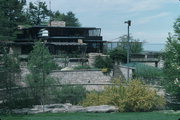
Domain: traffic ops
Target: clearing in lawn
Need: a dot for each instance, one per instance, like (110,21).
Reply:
(96,116)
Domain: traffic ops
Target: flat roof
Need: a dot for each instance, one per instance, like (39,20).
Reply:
(65,43)
(64,37)
(53,43)
(72,27)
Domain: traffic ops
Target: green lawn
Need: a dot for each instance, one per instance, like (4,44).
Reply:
(95,116)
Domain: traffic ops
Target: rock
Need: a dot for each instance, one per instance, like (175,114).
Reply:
(102,108)
(67,108)
(171,112)
(36,111)
(67,69)
(58,110)
(51,106)
(21,111)
(76,108)
(61,108)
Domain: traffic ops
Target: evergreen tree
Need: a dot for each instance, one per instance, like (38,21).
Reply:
(11,12)
(172,61)
(40,64)
(38,13)
(10,73)
(69,18)
(40,60)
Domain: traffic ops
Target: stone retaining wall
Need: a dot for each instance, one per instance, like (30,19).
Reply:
(95,77)
(81,77)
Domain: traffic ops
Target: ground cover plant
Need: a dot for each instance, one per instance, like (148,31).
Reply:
(96,116)
(149,74)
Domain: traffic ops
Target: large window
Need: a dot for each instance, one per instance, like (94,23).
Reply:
(95,32)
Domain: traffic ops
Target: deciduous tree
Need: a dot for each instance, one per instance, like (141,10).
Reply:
(119,54)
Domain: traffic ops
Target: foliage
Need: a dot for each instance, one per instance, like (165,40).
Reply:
(135,96)
(119,54)
(10,72)
(135,45)
(11,13)
(69,18)
(149,73)
(21,99)
(10,61)
(36,80)
(40,64)
(172,63)
(82,67)
(95,116)
(40,59)
(103,62)
(37,13)
(71,94)
(39,88)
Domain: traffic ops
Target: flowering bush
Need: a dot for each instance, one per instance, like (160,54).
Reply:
(134,96)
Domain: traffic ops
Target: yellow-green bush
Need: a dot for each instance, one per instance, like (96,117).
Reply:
(132,96)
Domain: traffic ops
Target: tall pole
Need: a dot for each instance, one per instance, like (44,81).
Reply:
(128,47)
(50,11)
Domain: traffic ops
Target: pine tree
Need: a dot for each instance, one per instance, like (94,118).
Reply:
(40,64)
(69,18)
(172,61)
(38,13)
(11,12)
(10,72)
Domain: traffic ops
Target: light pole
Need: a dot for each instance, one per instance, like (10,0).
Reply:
(128,38)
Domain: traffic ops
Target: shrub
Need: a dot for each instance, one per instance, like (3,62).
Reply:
(104,63)
(21,98)
(36,83)
(134,96)
(118,55)
(71,94)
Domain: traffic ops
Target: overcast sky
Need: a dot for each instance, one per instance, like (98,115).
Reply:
(151,19)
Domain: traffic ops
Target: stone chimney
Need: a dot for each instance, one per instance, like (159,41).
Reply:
(58,24)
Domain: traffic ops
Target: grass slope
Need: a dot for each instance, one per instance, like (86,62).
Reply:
(96,116)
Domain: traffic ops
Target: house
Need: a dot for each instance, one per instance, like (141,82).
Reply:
(59,39)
